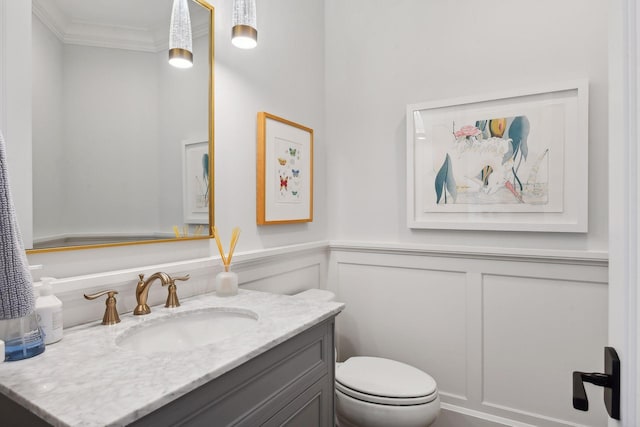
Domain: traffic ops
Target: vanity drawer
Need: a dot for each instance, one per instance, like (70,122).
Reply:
(254,392)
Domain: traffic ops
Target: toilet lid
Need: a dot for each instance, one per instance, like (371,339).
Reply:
(384,378)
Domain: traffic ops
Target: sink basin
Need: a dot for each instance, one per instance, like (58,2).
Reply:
(187,330)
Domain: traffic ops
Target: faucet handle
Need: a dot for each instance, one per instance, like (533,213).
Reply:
(172,298)
(111,312)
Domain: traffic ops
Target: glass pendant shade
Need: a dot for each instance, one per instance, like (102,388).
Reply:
(180,48)
(244,33)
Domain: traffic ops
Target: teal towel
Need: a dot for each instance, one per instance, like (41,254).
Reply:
(16,284)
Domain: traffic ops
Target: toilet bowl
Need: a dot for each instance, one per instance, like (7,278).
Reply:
(378,392)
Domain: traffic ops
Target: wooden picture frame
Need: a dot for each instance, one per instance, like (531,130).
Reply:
(284,171)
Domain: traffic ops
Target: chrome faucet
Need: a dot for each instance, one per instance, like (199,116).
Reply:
(142,291)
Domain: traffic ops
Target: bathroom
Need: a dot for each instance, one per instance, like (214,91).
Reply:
(499,318)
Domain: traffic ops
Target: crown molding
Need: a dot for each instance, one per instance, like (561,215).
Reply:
(50,16)
(84,33)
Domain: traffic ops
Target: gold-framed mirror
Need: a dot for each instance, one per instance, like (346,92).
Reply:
(123,143)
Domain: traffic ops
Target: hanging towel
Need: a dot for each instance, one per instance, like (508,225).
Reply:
(16,284)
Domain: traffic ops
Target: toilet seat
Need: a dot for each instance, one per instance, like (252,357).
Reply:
(383,400)
(385,381)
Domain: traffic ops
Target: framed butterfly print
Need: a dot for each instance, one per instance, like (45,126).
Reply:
(284,171)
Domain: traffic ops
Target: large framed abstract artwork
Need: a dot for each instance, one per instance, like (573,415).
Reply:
(284,171)
(513,161)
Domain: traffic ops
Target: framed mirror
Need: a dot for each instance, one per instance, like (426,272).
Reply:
(122,141)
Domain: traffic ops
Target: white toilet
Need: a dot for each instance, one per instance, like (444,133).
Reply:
(377,392)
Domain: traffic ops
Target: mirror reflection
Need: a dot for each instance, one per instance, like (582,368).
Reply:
(122,144)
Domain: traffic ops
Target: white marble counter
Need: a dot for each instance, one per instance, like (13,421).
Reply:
(87,380)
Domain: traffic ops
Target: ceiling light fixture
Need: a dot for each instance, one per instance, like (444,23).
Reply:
(244,33)
(180,45)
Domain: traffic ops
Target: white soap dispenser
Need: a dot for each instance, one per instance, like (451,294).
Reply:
(49,311)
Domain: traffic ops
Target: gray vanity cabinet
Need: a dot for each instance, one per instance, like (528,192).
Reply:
(289,385)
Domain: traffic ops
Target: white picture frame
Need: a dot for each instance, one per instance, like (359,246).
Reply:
(510,161)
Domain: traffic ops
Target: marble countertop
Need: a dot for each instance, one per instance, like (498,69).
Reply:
(87,380)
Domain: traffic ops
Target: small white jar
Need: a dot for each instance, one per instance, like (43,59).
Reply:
(226,282)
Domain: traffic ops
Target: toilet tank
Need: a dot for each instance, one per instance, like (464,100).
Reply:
(316,294)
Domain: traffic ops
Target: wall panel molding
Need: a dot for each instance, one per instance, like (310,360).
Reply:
(549,313)
(547,256)
(442,313)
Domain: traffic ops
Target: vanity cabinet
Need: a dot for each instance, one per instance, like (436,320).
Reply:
(289,385)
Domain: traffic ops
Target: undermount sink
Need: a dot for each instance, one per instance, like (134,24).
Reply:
(187,330)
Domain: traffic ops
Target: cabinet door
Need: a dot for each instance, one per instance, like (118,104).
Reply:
(258,390)
(312,408)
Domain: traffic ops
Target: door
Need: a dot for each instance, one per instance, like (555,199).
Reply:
(624,192)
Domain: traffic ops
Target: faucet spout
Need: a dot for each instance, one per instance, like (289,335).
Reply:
(142,291)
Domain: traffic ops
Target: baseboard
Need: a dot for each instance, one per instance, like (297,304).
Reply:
(457,416)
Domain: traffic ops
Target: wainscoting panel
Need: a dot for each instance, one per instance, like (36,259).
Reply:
(290,275)
(536,332)
(284,270)
(380,320)
(500,333)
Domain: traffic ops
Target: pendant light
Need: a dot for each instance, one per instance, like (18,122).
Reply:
(180,49)
(244,33)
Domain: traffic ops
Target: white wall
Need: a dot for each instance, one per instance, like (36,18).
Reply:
(48,94)
(284,76)
(120,88)
(382,56)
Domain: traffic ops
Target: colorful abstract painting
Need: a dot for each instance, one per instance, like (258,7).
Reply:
(196,182)
(514,160)
(494,163)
